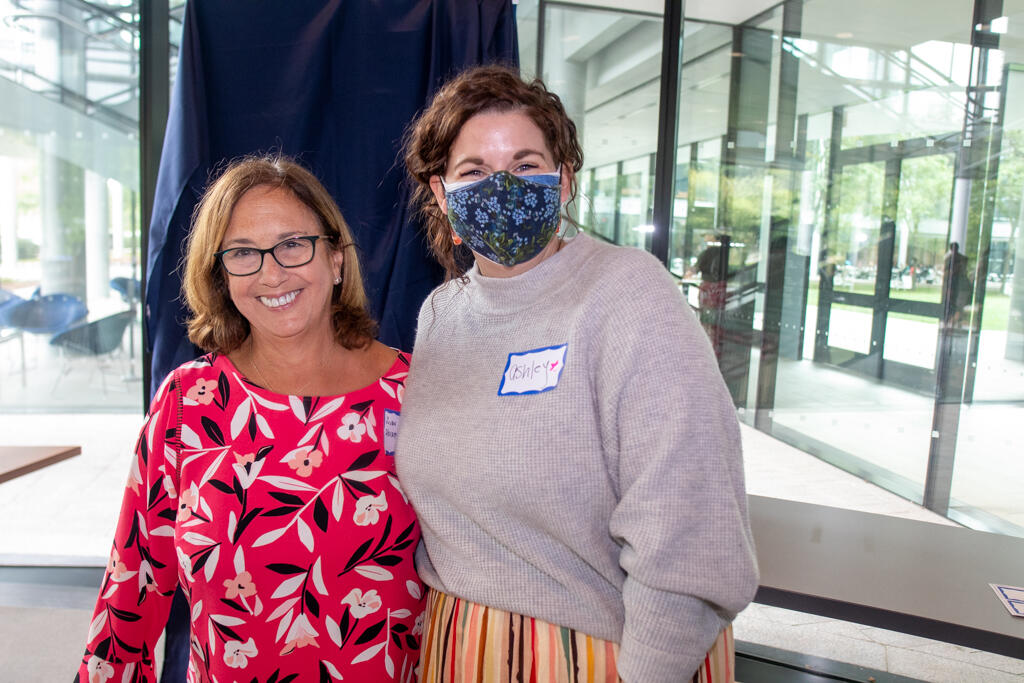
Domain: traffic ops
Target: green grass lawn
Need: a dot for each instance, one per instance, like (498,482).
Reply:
(995,316)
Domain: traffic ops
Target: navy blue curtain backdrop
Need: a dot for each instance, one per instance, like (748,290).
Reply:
(335,84)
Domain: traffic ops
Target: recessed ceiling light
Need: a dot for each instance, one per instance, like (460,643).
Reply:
(844,35)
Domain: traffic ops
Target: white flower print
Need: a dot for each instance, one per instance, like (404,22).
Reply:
(368,509)
(99,670)
(299,635)
(417,628)
(185,563)
(362,604)
(352,428)
(236,654)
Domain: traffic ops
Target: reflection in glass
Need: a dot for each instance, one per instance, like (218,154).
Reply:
(840,155)
(69,87)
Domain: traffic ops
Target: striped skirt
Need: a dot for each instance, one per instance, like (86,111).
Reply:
(464,642)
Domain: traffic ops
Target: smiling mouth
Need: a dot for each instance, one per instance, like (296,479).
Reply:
(277,302)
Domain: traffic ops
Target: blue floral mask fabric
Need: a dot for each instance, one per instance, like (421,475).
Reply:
(506,218)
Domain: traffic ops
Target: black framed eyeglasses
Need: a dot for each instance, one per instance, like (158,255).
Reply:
(290,253)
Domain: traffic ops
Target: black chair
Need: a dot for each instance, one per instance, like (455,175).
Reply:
(48,314)
(97,339)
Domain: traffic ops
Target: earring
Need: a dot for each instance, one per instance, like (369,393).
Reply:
(337,280)
(456,240)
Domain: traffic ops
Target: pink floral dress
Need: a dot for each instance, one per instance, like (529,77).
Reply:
(283,522)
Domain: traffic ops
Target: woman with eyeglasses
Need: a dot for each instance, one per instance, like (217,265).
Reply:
(567,440)
(264,482)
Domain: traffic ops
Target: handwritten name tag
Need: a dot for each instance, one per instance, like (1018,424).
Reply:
(532,372)
(390,431)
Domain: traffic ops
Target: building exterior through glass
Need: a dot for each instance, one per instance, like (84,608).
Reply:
(849,194)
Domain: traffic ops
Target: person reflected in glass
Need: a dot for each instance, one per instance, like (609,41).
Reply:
(713,266)
(567,442)
(263,482)
(957,287)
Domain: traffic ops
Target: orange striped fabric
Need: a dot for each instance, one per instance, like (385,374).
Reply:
(464,642)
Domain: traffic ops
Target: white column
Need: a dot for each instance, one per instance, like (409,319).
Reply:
(116,193)
(8,215)
(97,240)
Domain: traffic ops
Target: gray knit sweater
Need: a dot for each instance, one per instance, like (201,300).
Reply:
(572,454)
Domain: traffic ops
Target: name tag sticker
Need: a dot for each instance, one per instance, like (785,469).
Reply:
(532,372)
(390,431)
(1012,598)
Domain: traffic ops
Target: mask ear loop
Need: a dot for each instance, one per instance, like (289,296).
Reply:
(559,231)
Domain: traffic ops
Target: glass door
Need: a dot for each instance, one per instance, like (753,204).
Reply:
(882,260)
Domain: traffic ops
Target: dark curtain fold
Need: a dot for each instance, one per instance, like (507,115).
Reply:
(335,84)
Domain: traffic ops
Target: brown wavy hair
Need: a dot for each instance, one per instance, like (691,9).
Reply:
(215,323)
(492,88)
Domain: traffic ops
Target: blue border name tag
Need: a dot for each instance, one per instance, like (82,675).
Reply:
(390,430)
(532,372)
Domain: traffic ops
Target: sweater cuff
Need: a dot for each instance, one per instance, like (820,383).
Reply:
(665,636)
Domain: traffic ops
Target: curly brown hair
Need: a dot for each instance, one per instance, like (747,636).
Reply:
(215,323)
(492,88)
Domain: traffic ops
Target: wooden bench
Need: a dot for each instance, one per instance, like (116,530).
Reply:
(18,460)
(929,580)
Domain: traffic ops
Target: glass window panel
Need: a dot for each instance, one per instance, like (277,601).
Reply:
(70,247)
(606,67)
(988,469)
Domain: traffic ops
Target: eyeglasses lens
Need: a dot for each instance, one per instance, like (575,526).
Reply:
(289,253)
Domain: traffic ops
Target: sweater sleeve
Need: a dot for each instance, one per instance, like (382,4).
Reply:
(141,575)
(673,447)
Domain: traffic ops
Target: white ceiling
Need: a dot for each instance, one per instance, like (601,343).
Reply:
(725,11)
(610,65)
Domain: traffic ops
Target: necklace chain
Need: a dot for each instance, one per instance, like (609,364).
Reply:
(266,384)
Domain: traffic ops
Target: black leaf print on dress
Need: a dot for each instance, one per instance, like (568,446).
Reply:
(224,389)
(360,486)
(311,604)
(125,646)
(358,554)
(286,568)
(384,535)
(364,459)
(346,623)
(154,492)
(221,486)
(212,430)
(244,522)
(233,604)
(320,515)
(287,498)
(371,632)
(281,511)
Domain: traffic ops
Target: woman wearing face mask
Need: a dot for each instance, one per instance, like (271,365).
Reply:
(567,441)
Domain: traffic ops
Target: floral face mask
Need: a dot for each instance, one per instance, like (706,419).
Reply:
(506,218)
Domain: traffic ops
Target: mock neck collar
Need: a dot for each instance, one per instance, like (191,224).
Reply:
(502,295)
